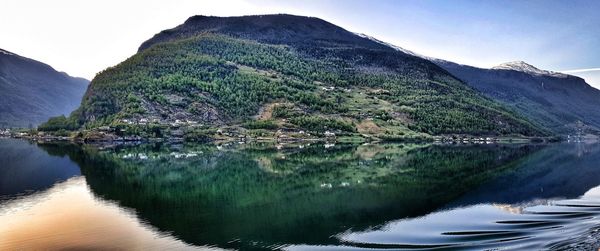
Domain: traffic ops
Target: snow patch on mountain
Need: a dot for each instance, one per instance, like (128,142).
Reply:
(527,68)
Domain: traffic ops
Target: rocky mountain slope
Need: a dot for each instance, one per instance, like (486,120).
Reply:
(296,73)
(553,100)
(31,92)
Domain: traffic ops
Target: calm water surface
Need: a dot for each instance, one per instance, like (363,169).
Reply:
(299,197)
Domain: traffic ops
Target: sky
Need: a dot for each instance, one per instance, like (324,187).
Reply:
(85,37)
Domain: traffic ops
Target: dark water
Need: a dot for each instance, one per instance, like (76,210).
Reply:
(299,197)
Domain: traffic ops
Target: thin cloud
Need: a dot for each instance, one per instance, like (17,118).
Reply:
(581,70)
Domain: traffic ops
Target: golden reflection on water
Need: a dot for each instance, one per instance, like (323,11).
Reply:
(68,216)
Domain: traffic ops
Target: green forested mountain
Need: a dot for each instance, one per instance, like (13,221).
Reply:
(31,91)
(282,71)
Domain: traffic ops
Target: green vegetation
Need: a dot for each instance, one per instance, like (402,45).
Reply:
(285,111)
(59,123)
(314,123)
(261,124)
(198,135)
(146,131)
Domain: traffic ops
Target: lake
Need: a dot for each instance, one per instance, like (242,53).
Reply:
(299,196)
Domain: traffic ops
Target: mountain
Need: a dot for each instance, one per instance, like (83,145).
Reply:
(286,72)
(553,100)
(31,92)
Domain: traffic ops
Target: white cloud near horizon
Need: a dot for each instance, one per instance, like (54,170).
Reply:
(581,70)
(590,75)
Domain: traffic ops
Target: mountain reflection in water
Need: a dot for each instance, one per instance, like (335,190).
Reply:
(380,196)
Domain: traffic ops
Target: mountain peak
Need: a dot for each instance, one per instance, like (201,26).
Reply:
(525,67)
(519,66)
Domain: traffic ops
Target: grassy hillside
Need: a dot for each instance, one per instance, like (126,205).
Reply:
(255,73)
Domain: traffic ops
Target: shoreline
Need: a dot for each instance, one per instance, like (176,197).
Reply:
(342,139)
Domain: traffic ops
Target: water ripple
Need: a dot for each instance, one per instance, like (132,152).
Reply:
(550,225)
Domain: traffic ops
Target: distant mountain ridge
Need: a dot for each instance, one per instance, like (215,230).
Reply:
(31,91)
(553,100)
(527,68)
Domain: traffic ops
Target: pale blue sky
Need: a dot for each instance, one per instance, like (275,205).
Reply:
(84,37)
